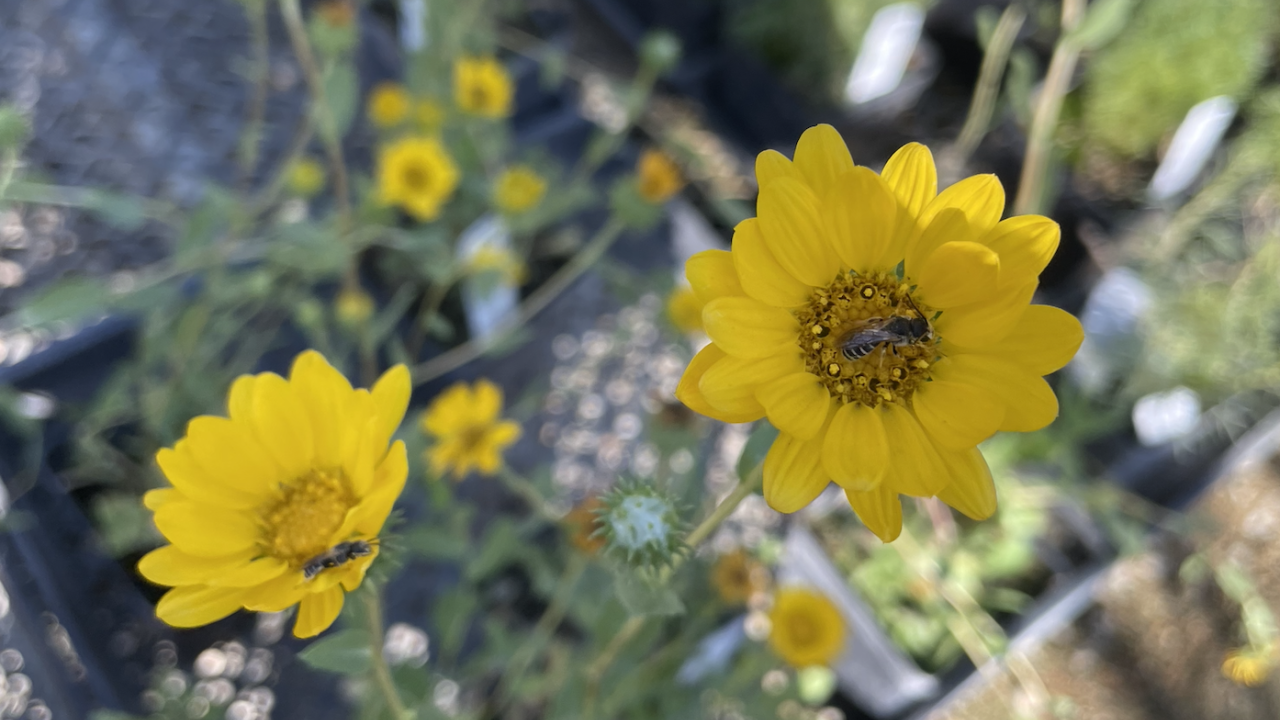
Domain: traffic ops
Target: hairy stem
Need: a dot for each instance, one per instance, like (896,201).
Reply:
(994,63)
(381,672)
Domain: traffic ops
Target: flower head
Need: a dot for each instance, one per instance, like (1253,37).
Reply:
(805,628)
(417,175)
(305,177)
(1247,666)
(481,86)
(684,309)
(353,307)
(583,522)
(302,468)
(884,328)
(469,433)
(659,176)
(517,189)
(736,576)
(389,104)
(492,258)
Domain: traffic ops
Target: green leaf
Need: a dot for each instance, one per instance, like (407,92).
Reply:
(642,597)
(71,299)
(628,206)
(757,447)
(501,546)
(436,543)
(385,321)
(124,212)
(346,652)
(342,97)
(439,328)
(314,250)
(1103,22)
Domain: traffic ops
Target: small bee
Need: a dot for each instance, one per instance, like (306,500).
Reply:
(336,556)
(897,330)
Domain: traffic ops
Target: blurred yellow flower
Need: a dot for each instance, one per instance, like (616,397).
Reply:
(517,189)
(883,383)
(303,470)
(1248,667)
(482,87)
(353,307)
(491,258)
(658,176)
(684,309)
(736,576)
(467,429)
(806,628)
(429,115)
(389,104)
(417,175)
(336,13)
(305,177)
(582,522)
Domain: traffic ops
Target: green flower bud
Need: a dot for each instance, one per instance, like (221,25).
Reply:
(641,525)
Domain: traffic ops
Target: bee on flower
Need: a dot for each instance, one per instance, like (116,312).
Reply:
(805,628)
(658,176)
(481,86)
(280,503)
(417,175)
(467,430)
(517,189)
(883,327)
(389,105)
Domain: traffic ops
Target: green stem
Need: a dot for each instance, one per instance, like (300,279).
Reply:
(527,491)
(381,672)
(8,168)
(251,141)
(546,625)
(534,304)
(984,95)
(82,198)
(436,294)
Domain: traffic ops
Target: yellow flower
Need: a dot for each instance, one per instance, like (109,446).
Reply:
(684,308)
(1248,667)
(416,174)
(301,466)
(805,628)
(882,382)
(305,177)
(430,116)
(659,177)
(481,86)
(518,188)
(353,307)
(336,13)
(736,576)
(491,258)
(389,104)
(468,430)
(582,522)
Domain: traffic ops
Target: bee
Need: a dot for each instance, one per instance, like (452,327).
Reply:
(336,556)
(897,330)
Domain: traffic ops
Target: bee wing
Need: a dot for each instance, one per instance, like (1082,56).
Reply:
(870,337)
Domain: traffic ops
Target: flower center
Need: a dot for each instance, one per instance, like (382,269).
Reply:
(301,523)
(415,177)
(802,629)
(867,338)
(479,96)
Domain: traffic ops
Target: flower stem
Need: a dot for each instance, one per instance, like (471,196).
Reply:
(251,141)
(537,301)
(381,672)
(521,486)
(984,95)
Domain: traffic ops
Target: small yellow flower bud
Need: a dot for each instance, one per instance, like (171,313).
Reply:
(353,307)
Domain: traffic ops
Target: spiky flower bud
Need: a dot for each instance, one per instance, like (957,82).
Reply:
(641,525)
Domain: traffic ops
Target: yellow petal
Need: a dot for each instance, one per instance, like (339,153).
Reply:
(855,451)
(821,157)
(388,484)
(1025,244)
(860,215)
(959,273)
(980,198)
(250,574)
(1044,339)
(206,531)
(317,611)
(972,491)
(793,474)
(155,499)
(983,324)
(228,451)
(797,404)
(363,458)
(957,415)
(390,401)
(186,476)
(916,468)
(195,605)
(325,394)
(170,566)
(1029,402)
(791,221)
(688,391)
(771,165)
(276,595)
(949,226)
(880,510)
(280,422)
(761,275)
(353,575)
(449,410)
(712,275)
(731,383)
(748,328)
(911,175)
(240,399)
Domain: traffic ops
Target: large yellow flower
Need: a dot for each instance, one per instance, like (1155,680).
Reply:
(884,328)
(469,432)
(481,86)
(301,466)
(416,174)
(805,628)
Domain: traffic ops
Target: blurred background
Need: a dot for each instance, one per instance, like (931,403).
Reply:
(1131,571)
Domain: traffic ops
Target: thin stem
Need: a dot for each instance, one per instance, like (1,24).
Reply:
(301,138)
(749,484)
(535,303)
(527,491)
(251,141)
(1035,165)
(83,198)
(436,294)
(984,95)
(381,672)
(8,168)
